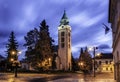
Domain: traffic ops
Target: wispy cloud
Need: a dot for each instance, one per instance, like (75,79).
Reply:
(85,20)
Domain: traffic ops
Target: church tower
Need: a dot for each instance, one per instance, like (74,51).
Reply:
(64,42)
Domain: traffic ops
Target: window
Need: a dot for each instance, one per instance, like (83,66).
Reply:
(106,62)
(99,62)
(106,69)
(62,39)
(62,45)
(62,33)
(110,69)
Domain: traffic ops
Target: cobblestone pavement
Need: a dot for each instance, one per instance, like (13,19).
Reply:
(67,77)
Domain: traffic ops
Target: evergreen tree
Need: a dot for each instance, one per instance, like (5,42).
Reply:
(85,60)
(31,39)
(12,49)
(45,40)
(44,45)
(54,64)
(75,66)
(39,46)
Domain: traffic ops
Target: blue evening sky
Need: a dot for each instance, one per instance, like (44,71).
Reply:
(85,17)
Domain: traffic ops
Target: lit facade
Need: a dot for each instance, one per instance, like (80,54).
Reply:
(104,63)
(114,19)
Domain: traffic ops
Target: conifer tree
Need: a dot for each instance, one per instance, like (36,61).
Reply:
(31,39)
(12,49)
(44,46)
(39,46)
(75,66)
(85,60)
(45,40)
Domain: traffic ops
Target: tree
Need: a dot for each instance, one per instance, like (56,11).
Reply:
(54,64)
(44,45)
(31,39)
(85,61)
(12,49)
(75,66)
(39,46)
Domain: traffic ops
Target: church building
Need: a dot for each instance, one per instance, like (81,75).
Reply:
(64,44)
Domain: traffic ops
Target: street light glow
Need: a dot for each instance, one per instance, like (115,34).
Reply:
(98,54)
(49,59)
(12,59)
(81,63)
(19,52)
(90,49)
(13,52)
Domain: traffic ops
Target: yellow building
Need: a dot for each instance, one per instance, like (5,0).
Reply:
(114,19)
(104,63)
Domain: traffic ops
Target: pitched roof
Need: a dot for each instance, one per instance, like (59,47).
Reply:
(105,56)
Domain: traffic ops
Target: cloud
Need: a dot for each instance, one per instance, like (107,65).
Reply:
(85,20)
(104,46)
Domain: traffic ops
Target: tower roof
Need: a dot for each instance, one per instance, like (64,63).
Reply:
(64,19)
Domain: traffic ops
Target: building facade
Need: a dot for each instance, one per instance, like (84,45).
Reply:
(104,63)
(114,19)
(64,44)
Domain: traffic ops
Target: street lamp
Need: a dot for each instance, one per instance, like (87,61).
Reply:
(90,49)
(81,63)
(11,59)
(15,60)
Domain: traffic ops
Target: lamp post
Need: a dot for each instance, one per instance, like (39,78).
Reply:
(15,61)
(16,66)
(90,49)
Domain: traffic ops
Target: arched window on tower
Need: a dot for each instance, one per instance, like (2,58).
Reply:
(62,39)
(62,33)
(69,36)
(62,45)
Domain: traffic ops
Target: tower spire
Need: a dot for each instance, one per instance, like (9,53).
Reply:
(64,19)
